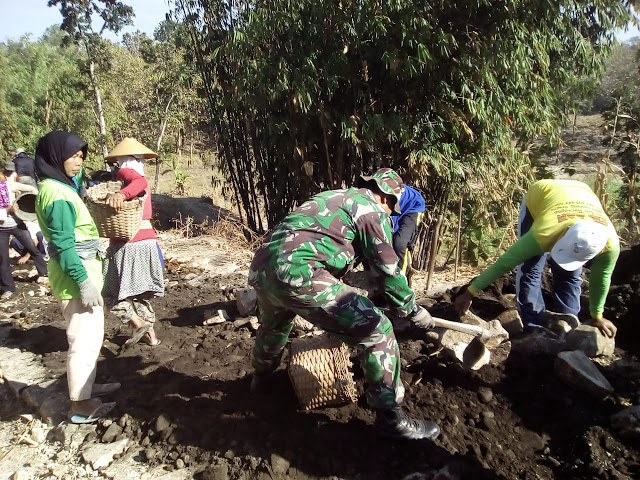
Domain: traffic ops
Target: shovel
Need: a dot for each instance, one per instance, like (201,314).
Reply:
(492,336)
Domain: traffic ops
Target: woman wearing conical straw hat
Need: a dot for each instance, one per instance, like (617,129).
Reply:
(133,269)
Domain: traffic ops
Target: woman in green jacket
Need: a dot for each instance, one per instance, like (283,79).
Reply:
(75,268)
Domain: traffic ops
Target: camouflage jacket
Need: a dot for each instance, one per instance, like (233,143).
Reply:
(331,231)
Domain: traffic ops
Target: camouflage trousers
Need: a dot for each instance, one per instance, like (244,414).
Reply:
(339,310)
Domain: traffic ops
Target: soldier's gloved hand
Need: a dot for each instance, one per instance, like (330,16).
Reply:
(421,318)
(89,294)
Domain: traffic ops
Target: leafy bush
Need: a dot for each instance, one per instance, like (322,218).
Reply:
(448,93)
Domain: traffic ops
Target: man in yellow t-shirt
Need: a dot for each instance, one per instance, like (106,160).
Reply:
(565,219)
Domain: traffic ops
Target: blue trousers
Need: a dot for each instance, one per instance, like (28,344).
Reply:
(566,285)
(22,250)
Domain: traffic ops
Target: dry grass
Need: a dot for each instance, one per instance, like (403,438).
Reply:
(225,242)
(203,181)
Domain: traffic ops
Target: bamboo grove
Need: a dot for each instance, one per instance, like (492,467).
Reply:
(306,95)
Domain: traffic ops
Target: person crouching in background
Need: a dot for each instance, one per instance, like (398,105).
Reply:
(12,225)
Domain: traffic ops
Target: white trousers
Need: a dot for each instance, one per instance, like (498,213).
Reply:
(85,332)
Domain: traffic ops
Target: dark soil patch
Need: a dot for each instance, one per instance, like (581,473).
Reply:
(623,302)
(512,421)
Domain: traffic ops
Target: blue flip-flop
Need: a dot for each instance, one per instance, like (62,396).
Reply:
(92,417)
(114,386)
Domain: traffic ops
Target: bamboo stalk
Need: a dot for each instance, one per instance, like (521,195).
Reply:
(326,147)
(434,251)
(455,271)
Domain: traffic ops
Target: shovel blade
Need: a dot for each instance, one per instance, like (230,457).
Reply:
(474,353)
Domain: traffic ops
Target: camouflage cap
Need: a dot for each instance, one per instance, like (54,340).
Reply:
(388,182)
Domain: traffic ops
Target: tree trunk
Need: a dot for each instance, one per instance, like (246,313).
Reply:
(47,112)
(101,122)
(326,147)
(455,271)
(163,126)
(434,251)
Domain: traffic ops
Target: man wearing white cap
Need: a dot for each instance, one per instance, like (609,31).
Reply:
(563,218)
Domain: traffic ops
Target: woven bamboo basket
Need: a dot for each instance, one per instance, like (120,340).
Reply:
(124,223)
(319,369)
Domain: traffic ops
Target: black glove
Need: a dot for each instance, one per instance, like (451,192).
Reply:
(421,318)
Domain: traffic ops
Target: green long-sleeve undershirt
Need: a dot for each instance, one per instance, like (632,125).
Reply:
(528,247)
(61,220)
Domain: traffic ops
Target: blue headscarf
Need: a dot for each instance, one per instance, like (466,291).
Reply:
(410,202)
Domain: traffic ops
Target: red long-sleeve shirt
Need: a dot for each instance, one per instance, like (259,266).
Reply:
(135,185)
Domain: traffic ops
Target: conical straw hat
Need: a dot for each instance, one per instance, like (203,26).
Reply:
(130,146)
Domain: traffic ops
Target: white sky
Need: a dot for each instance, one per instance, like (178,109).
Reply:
(18,17)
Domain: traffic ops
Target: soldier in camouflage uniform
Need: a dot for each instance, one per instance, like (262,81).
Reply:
(297,271)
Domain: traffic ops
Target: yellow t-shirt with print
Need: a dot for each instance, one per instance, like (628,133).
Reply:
(556,205)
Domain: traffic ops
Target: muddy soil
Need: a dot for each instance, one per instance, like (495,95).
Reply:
(516,420)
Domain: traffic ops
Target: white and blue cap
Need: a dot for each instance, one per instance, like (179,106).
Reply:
(581,242)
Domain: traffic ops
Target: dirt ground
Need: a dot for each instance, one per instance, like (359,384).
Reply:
(516,420)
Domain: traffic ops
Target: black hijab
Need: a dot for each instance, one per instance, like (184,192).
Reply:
(51,152)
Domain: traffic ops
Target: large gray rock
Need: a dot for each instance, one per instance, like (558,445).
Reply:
(65,433)
(626,423)
(112,432)
(100,455)
(246,302)
(162,423)
(279,464)
(127,467)
(454,344)
(577,370)
(217,472)
(508,300)
(500,353)
(539,342)
(591,341)
(185,474)
(511,321)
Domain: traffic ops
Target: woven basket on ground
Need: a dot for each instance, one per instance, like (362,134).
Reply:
(124,223)
(319,369)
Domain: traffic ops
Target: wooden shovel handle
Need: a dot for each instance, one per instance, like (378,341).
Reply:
(459,327)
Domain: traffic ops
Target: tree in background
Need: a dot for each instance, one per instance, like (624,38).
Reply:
(77,22)
(307,94)
(619,103)
(169,99)
(41,89)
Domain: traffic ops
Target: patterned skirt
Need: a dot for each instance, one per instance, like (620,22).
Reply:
(133,269)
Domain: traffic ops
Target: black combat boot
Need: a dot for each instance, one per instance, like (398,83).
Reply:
(261,383)
(394,422)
